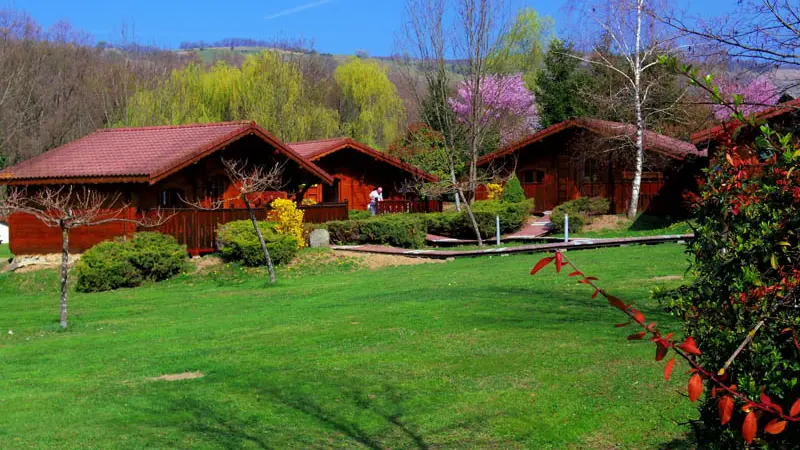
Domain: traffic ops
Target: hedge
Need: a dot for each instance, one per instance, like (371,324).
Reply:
(579,211)
(410,230)
(398,230)
(457,224)
(237,242)
(114,264)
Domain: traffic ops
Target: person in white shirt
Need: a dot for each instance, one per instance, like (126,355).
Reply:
(374,197)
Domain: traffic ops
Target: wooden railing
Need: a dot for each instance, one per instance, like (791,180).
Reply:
(197,229)
(622,193)
(408,206)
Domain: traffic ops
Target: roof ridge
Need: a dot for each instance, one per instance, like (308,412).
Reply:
(340,138)
(168,127)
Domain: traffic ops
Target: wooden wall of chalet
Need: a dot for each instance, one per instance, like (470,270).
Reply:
(357,174)
(567,166)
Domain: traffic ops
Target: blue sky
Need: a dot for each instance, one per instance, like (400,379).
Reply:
(335,26)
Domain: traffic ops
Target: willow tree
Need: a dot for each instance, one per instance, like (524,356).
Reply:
(370,108)
(269,89)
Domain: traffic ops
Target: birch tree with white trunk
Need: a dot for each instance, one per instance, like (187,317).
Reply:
(636,40)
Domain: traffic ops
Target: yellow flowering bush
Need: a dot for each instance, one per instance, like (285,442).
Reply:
(288,218)
(494,191)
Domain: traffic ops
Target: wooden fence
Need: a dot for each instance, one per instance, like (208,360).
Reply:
(622,193)
(408,206)
(197,229)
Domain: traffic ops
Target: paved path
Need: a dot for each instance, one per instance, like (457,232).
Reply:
(577,244)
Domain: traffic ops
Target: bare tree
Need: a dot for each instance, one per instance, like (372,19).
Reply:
(760,30)
(249,180)
(631,33)
(67,208)
(425,47)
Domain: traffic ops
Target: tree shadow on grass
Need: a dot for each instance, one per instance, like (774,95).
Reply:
(685,443)
(400,432)
(374,419)
(225,428)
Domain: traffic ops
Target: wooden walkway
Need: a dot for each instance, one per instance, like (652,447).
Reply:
(576,244)
(535,230)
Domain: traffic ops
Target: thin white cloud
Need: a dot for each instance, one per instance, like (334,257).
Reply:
(297,9)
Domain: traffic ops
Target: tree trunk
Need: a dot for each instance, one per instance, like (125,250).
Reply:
(471,217)
(633,207)
(453,179)
(64,273)
(253,219)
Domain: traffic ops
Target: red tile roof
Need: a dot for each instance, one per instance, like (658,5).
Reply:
(655,142)
(774,111)
(143,154)
(316,150)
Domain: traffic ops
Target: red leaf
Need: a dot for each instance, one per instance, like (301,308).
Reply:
(623,324)
(615,302)
(594,296)
(775,426)
(636,337)
(668,369)
(764,399)
(749,427)
(576,273)
(559,262)
(795,411)
(725,408)
(714,392)
(695,387)
(638,316)
(541,264)
(690,346)
(661,351)
(651,326)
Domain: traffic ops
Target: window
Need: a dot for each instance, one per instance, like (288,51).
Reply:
(532,176)
(172,198)
(215,188)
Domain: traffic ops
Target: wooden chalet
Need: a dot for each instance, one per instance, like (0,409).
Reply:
(160,167)
(784,117)
(357,169)
(586,158)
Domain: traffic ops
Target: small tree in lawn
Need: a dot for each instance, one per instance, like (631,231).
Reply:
(513,192)
(248,181)
(67,208)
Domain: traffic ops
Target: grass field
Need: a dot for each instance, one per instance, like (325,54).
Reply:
(473,353)
(4,251)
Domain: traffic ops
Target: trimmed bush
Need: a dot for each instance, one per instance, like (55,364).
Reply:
(398,230)
(237,242)
(105,267)
(579,211)
(454,224)
(513,192)
(357,214)
(115,264)
(157,256)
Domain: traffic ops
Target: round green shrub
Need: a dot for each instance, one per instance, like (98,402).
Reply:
(237,242)
(105,267)
(114,264)
(157,256)
(513,192)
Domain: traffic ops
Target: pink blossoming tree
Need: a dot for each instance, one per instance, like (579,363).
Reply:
(757,95)
(505,101)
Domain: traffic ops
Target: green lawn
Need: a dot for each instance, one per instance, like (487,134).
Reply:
(5,252)
(473,353)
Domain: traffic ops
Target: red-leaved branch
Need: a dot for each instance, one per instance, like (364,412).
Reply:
(687,350)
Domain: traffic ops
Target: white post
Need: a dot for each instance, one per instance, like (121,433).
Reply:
(497,221)
(566,227)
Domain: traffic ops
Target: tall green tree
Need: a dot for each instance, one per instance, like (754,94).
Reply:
(559,85)
(524,46)
(370,108)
